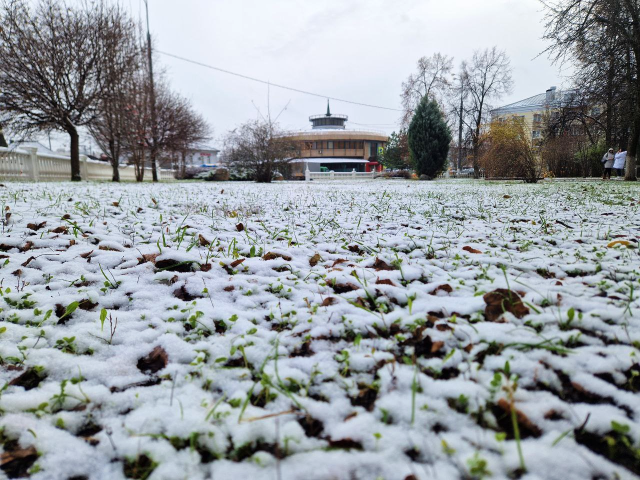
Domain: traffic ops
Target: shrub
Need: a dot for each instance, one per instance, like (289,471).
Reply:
(510,154)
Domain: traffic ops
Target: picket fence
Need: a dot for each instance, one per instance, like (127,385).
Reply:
(28,164)
(331,175)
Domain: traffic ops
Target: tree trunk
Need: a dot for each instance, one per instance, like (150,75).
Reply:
(115,177)
(476,149)
(115,160)
(3,142)
(459,163)
(611,77)
(75,153)
(154,163)
(632,150)
(140,167)
(634,134)
(263,173)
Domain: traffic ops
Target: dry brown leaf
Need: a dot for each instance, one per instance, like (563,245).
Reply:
(60,229)
(469,249)
(155,361)
(344,287)
(313,261)
(237,262)
(445,287)
(274,255)
(18,461)
(523,420)
(329,301)
(36,226)
(382,265)
(28,261)
(502,300)
(203,241)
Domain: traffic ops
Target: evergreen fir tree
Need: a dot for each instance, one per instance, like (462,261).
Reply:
(429,138)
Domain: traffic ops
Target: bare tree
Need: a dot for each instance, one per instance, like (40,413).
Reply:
(432,78)
(54,63)
(177,128)
(108,128)
(136,120)
(3,142)
(260,147)
(457,112)
(602,33)
(488,77)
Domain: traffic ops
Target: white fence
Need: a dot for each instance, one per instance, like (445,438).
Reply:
(331,175)
(28,164)
(446,175)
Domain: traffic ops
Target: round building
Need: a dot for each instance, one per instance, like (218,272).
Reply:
(331,146)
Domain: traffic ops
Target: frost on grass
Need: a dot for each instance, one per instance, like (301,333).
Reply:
(340,331)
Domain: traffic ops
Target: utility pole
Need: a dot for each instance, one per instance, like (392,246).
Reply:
(152,98)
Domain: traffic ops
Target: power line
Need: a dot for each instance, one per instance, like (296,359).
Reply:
(274,84)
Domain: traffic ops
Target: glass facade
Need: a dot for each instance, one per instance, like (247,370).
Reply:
(338,145)
(328,122)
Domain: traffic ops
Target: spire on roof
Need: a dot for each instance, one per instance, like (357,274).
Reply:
(328,109)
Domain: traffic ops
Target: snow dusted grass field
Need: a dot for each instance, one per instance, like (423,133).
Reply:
(381,330)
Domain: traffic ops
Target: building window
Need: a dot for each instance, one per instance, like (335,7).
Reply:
(536,134)
(330,144)
(537,117)
(576,130)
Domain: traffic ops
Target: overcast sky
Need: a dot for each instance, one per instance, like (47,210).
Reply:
(360,50)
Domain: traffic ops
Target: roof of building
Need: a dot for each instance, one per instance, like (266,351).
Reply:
(560,97)
(203,148)
(32,144)
(534,101)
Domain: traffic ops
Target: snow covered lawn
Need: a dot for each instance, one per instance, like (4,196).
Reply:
(388,329)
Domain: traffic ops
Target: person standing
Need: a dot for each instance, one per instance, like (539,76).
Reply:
(608,160)
(619,161)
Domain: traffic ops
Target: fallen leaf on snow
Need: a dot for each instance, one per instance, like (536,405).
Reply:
(618,242)
(274,255)
(313,261)
(382,265)
(155,361)
(502,300)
